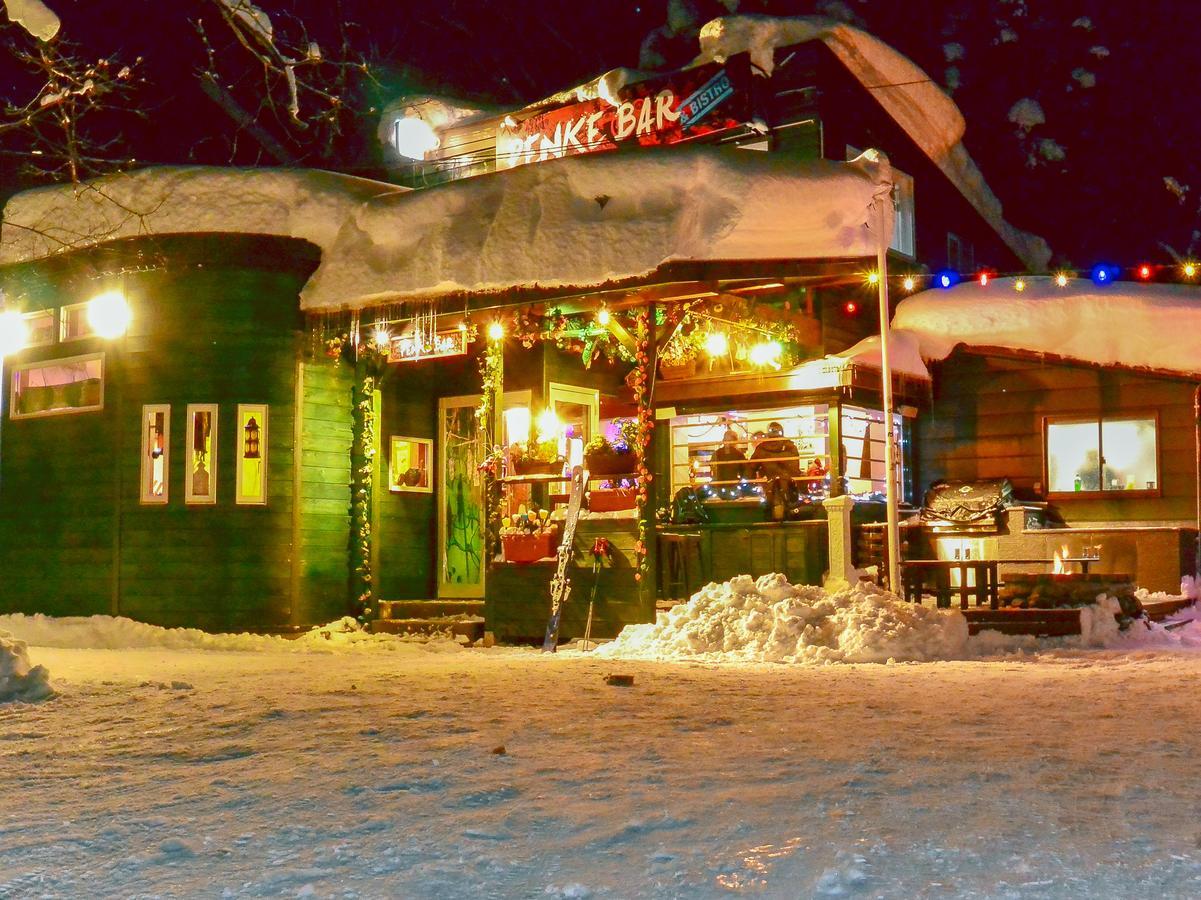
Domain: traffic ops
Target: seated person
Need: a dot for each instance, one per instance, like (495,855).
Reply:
(776,456)
(816,468)
(728,463)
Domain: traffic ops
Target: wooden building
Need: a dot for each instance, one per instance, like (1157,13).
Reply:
(316,354)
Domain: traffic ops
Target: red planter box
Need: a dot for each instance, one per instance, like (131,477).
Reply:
(528,548)
(612,499)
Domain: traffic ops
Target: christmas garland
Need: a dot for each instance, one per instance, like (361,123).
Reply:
(362,482)
(492,375)
(640,379)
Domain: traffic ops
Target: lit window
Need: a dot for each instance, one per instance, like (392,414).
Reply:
(903,223)
(200,483)
(251,489)
(41,326)
(156,452)
(57,387)
(74,323)
(1102,455)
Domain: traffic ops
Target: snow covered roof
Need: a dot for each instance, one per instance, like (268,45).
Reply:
(1153,326)
(575,222)
(904,355)
(908,95)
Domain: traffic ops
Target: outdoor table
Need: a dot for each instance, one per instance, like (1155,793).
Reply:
(913,578)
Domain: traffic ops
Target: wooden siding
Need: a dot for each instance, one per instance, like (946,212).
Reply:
(987,422)
(218,324)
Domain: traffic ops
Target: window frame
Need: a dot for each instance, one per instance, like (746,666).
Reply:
(1099,420)
(54,326)
(145,498)
(262,409)
(63,318)
(67,411)
(191,498)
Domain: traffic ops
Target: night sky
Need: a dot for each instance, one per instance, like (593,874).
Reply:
(1136,123)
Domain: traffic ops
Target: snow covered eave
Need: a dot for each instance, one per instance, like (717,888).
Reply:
(913,99)
(1146,327)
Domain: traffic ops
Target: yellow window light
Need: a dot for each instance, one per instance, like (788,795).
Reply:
(14,332)
(108,314)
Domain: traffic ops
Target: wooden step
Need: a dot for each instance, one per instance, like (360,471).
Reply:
(429,609)
(470,627)
(1158,610)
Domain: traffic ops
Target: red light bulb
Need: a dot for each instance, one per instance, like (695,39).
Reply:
(1144,271)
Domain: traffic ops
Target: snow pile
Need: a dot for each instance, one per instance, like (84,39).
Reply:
(771,620)
(579,221)
(1131,324)
(18,679)
(119,633)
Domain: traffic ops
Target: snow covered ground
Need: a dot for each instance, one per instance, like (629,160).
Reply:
(259,768)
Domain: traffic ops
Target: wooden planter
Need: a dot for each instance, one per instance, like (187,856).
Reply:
(612,499)
(679,370)
(528,548)
(537,467)
(611,464)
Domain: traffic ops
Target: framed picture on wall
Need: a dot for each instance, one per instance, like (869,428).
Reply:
(410,465)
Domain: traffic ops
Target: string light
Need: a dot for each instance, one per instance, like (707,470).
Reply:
(14,332)
(717,344)
(381,337)
(603,317)
(850,307)
(1061,280)
(873,278)
(1190,269)
(1019,285)
(908,283)
(983,279)
(1144,272)
(496,331)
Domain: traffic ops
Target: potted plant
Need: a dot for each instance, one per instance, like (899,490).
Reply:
(528,536)
(535,458)
(678,358)
(603,457)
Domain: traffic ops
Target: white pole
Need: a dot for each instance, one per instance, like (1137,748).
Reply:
(890,466)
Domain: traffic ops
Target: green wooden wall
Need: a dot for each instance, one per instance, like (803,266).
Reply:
(213,322)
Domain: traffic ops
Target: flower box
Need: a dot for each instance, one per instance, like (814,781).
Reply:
(612,499)
(611,463)
(528,548)
(671,371)
(537,467)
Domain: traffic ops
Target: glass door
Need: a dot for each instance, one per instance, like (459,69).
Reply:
(461,449)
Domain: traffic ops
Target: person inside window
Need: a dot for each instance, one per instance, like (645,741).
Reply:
(775,456)
(728,463)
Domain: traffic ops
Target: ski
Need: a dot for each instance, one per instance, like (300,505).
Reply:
(560,585)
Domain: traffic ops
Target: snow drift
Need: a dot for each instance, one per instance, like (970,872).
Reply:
(770,620)
(19,680)
(1124,323)
(118,633)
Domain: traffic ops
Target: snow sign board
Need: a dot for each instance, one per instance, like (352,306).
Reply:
(683,106)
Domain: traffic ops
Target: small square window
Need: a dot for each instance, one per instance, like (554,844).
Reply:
(74,323)
(42,328)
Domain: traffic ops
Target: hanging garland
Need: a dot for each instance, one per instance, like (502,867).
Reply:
(492,375)
(640,380)
(362,484)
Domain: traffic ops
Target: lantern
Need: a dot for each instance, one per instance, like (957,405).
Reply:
(250,448)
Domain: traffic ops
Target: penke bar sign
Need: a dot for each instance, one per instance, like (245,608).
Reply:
(682,106)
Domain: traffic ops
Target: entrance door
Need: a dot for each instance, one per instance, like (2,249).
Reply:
(461,524)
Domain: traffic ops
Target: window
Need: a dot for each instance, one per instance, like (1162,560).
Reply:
(156,451)
(251,488)
(57,387)
(903,223)
(74,323)
(42,328)
(409,465)
(578,412)
(961,255)
(863,441)
(200,481)
(1102,455)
